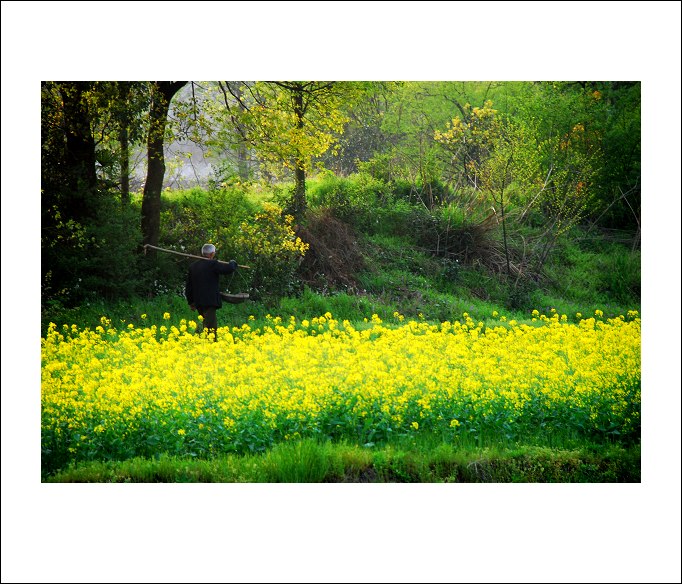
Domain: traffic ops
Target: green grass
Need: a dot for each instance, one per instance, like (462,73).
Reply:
(595,271)
(423,460)
(582,276)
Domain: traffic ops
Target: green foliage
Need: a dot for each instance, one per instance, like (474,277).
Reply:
(302,461)
(93,260)
(89,234)
(370,206)
(594,126)
(353,200)
(272,250)
(189,219)
(426,459)
(416,144)
(192,218)
(596,271)
(620,276)
(620,175)
(256,235)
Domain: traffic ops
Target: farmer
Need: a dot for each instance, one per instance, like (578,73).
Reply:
(202,288)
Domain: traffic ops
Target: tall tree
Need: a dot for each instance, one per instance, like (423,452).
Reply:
(162,93)
(492,152)
(242,144)
(79,210)
(362,137)
(80,144)
(124,139)
(290,122)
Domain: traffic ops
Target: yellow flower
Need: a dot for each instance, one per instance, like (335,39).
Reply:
(415,425)
(166,316)
(181,432)
(454,423)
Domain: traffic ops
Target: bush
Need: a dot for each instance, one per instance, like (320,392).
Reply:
(97,260)
(189,219)
(262,238)
(353,200)
(619,275)
(271,248)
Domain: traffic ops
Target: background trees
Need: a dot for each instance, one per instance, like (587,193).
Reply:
(89,239)
(544,156)
(287,123)
(161,94)
(86,237)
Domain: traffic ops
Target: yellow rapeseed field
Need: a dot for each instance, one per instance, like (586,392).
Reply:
(113,394)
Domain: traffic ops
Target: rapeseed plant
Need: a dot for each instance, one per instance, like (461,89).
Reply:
(141,391)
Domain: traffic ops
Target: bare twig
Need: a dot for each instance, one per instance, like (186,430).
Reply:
(535,198)
(623,195)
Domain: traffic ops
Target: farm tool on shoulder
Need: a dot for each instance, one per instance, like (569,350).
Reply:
(227,297)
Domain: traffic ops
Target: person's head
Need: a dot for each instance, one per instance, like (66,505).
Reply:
(208,250)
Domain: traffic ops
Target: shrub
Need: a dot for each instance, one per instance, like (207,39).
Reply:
(190,219)
(353,200)
(271,248)
(334,258)
(619,275)
(94,260)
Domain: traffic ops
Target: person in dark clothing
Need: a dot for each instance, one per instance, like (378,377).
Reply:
(202,287)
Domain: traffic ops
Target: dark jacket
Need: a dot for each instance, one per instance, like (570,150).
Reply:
(202,287)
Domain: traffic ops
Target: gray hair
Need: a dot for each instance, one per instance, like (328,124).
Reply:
(207,249)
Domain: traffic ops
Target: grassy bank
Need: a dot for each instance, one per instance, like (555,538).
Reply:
(519,433)
(417,461)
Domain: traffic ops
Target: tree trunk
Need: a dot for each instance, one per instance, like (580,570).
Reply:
(79,156)
(124,89)
(125,166)
(299,202)
(504,234)
(163,92)
(242,147)
(243,161)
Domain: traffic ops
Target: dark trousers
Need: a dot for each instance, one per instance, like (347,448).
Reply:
(210,319)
